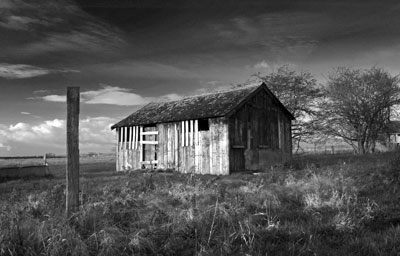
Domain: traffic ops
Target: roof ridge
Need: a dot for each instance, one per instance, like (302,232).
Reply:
(210,105)
(238,88)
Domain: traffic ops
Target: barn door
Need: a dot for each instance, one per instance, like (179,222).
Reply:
(237,159)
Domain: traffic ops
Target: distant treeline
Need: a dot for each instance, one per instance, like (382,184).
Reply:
(50,156)
(29,157)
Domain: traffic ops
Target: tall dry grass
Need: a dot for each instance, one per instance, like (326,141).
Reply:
(347,208)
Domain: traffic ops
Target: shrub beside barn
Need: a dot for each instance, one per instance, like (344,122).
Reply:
(246,128)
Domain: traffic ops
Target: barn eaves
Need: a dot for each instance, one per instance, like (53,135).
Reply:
(196,107)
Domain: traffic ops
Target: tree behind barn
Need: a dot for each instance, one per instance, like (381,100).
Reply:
(357,105)
(299,93)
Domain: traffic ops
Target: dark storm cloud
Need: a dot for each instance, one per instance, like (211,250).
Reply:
(42,27)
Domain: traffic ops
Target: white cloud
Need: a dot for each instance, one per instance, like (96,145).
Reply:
(48,127)
(8,148)
(18,127)
(112,95)
(11,71)
(94,134)
(53,98)
(25,113)
(19,71)
(55,123)
(262,65)
(41,91)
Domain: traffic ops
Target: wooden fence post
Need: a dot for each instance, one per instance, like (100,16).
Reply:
(72,194)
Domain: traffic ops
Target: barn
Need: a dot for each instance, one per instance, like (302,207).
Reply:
(393,135)
(246,128)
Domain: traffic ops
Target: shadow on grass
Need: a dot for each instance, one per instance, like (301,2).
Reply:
(26,178)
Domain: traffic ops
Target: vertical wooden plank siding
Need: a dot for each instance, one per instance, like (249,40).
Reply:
(279,132)
(224,149)
(215,147)
(183,133)
(165,145)
(134,137)
(140,144)
(176,143)
(125,149)
(196,146)
(121,135)
(126,138)
(125,135)
(210,155)
(161,146)
(170,144)
(117,150)
(200,153)
(118,137)
(131,138)
(186,133)
(191,133)
(205,154)
(123,139)
(122,146)
(196,132)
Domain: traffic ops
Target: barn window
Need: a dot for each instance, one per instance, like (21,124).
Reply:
(203,125)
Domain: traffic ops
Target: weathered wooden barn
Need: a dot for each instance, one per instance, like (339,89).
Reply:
(246,128)
(393,135)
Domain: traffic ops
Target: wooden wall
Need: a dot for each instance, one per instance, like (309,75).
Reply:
(128,148)
(260,134)
(181,146)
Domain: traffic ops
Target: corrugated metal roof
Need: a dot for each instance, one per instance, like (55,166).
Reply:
(196,107)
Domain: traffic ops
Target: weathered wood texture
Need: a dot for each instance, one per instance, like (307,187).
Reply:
(129,149)
(72,175)
(181,146)
(256,135)
(260,134)
(203,152)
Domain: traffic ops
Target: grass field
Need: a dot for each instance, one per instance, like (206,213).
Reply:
(317,205)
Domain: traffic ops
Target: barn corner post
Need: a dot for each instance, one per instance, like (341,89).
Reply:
(72,172)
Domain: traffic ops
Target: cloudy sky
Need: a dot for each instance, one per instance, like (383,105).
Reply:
(126,53)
